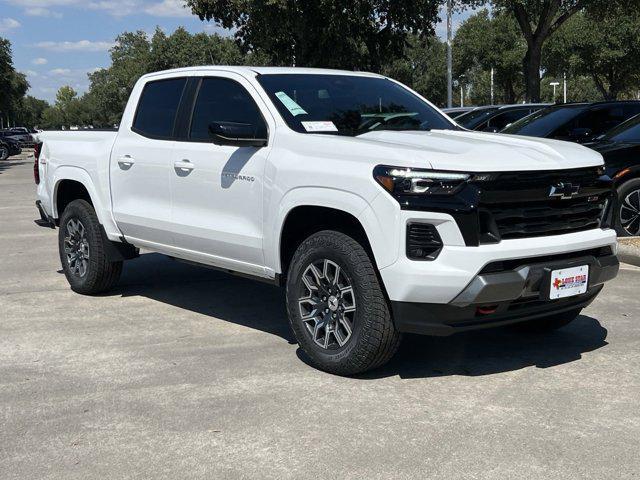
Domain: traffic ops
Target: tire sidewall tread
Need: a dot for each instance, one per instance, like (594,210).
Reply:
(374,339)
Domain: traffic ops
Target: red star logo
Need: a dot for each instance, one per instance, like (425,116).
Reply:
(557,283)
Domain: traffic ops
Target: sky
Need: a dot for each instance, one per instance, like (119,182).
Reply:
(57,42)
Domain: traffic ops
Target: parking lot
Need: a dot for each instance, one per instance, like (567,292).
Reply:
(184,372)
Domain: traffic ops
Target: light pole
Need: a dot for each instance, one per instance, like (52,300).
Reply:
(554,85)
(565,86)
(492,86)
(449,56)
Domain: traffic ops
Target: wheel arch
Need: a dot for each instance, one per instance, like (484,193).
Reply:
(625,175)
(305,210)
(73,183)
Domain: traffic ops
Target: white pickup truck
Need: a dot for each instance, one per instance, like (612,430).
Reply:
(377,213)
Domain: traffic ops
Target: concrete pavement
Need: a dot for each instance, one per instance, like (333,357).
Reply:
(184,372)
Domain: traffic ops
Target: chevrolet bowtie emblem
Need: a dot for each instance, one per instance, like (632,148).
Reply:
(564,190)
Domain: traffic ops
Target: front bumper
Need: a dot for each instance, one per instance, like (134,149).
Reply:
(512,291)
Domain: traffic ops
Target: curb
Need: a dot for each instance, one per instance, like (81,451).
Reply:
(629,250)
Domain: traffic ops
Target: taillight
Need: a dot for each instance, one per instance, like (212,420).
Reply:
(36,163)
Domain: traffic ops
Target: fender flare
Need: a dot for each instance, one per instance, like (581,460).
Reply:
(337,199)
(81,176)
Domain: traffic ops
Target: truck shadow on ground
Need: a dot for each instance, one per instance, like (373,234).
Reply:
(261,306)
(7,164)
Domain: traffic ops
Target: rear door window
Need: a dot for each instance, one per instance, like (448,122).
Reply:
(157,108)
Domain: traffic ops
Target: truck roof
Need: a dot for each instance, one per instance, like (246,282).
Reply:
(254,71)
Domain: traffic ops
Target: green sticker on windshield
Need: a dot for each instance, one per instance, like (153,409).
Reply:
(291,105)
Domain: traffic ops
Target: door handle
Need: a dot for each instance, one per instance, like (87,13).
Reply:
(125,162)
(183,165)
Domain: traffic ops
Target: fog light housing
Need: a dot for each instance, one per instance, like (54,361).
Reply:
(423,241)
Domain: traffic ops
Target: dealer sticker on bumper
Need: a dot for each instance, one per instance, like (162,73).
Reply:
(569,282)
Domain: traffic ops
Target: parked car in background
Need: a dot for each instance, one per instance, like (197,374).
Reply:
(455,112)
(9,147)
(620,148)
(20,134)
(494,118)
(575,122)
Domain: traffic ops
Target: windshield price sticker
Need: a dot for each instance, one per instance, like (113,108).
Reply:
(290,104)
(319,126)
(569,282)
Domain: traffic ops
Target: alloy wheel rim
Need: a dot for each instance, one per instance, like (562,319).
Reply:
(327,305)
(76,247)
(4,152)
(630,213)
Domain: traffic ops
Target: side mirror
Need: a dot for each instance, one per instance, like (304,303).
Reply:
(235,134)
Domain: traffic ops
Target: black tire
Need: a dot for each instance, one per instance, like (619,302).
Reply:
(4,152)
(548,324)
(99,274)
(628,189)
(373,338)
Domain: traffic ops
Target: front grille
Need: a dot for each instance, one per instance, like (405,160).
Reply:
(547,218)
(423,241)
(519,205)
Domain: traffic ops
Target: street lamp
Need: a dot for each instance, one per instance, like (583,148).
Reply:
(449,55)
(554,85)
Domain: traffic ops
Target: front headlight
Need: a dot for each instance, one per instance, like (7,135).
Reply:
(402,181)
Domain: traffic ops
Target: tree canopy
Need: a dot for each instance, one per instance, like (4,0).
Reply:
(608,54)
(539,19)
(13,85)
(348,34)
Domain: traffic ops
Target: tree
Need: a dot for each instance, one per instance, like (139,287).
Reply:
(13,85)
(136,53)
(322,33)
(608,54)
(483,42)
(422,67)
(30,111)
(539,19)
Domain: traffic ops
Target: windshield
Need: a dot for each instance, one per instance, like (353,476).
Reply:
(348,104)
(474,118)
(544,122)
(628,131)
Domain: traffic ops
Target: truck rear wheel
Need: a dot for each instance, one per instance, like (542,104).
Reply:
(336,306)
(82,251)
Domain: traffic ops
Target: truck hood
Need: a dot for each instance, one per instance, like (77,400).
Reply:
(464,150)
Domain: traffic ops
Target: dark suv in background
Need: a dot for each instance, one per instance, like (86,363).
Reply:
(575,122)
(620,148)
(9,147)
(494,118)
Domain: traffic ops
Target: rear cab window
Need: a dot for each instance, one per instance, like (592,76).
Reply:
(156,112)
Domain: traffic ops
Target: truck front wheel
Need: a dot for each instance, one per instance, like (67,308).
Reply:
(82,251)
(336,306)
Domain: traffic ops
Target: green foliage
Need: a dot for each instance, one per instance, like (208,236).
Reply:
(359,35)
(423,67)
(539,19)
(483,42)
(13,85)
(135,54)
(608,53)
(29,111)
